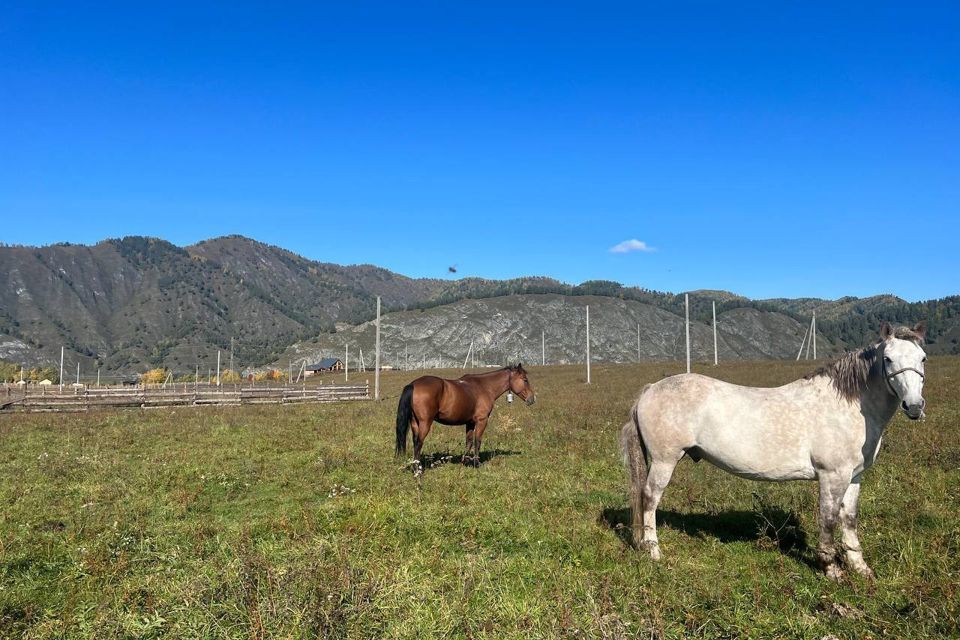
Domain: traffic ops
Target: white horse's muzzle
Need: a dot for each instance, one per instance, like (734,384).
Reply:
(914,411)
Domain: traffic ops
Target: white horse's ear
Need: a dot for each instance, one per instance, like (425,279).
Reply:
(921,329)
(886,330)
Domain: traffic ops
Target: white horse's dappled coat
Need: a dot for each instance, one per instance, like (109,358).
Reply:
(826,427)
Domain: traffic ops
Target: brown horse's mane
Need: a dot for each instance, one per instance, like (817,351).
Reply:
(851,372)
(518,367)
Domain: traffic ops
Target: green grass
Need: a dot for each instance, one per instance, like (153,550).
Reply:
(298,522)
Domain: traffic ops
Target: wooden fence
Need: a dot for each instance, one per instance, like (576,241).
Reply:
(36,398)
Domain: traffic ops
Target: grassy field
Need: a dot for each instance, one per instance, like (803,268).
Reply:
(297,522)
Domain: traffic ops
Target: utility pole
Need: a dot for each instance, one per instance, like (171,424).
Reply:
(686,302)
(814,334)
(715,359)
(78,372)
(803,342)
(588,344)
(638,342)
(98,376)
(218,367)
(376,375)
(543,348)
(346,367)
(61,368)
(231,353)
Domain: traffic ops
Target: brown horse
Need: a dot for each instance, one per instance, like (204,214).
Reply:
(468,400)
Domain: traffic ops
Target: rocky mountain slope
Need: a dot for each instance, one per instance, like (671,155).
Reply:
(135,302)
(132,303)
(508,329)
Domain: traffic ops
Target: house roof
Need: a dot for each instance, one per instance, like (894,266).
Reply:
(326,363)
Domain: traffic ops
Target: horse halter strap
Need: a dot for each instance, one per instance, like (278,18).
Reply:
(888,376)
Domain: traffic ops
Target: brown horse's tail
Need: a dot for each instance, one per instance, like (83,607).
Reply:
(404,414)
(635,460)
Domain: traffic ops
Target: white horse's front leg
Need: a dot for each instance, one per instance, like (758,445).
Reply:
(833,486)
(848,529)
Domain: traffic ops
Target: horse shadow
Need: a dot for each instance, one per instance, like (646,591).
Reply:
(438,459)
(769,527)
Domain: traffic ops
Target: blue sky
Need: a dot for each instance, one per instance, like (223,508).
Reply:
(764,148)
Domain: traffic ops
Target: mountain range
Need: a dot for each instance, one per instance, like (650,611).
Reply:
(133,303)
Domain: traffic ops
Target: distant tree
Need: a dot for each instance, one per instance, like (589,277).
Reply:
(229,376)
(154,376)
(9,372)
(270,375)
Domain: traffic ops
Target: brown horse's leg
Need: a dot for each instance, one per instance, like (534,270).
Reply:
(421,429)
(477,430)
(477,440)
(471,433)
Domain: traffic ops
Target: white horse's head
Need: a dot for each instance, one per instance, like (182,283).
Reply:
(902,366)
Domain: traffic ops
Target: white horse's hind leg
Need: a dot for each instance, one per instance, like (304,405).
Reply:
(658,477)
(848,528)
(833,486)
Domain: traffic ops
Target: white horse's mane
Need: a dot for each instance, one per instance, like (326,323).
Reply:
(851,371)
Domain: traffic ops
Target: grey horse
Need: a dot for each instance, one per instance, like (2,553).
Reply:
(826,427)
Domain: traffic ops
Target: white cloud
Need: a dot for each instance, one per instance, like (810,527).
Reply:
(628,246)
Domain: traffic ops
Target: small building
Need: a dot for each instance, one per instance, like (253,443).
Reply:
(327,364)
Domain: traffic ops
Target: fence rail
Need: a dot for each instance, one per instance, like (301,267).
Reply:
(37,399)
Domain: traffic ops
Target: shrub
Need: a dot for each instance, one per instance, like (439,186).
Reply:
(154,376)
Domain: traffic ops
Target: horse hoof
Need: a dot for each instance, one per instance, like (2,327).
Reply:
(653,548)
(834,572)
(864,571)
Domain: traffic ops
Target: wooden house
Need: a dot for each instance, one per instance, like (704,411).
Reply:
(327,364)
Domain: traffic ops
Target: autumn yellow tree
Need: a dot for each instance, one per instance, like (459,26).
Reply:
(154,376)
(229,376)
(270,375)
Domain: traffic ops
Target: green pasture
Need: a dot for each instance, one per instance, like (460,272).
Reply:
(297,522)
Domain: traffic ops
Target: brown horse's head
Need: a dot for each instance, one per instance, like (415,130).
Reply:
(520,385)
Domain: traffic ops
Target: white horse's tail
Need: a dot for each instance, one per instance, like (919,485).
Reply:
(635,463)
